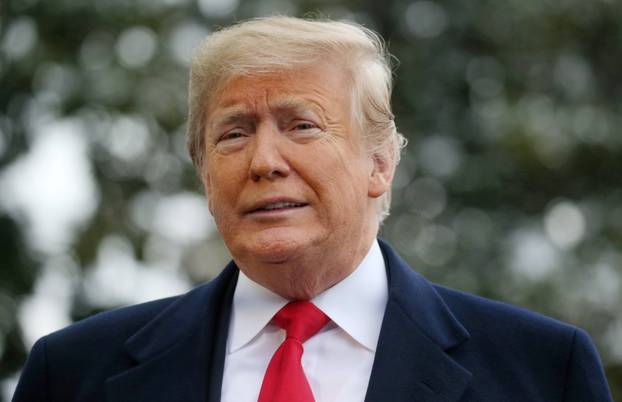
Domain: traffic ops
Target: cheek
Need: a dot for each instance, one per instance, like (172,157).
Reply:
(221,191)
(337,181)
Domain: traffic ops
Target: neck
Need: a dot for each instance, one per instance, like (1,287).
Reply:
(314,271)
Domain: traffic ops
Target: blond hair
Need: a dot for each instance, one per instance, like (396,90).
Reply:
(272,44)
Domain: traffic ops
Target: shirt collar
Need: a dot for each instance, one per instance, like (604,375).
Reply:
(356,304)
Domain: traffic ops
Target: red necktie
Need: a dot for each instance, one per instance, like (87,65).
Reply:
(285,381)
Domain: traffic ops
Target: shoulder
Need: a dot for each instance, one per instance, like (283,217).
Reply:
(509,344)
(75,362)
(478,315)
(487,322)
(470,308)
(63,362)
(500,329)
(116,326)
(116,323)
(102,334)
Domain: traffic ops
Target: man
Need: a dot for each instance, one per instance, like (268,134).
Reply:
(291,130)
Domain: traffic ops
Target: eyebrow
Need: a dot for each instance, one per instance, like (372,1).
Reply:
(231,115)
(296,104)
(241,113)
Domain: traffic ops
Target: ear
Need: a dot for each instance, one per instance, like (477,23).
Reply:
(381,176)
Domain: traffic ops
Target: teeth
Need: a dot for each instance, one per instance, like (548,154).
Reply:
(279,205)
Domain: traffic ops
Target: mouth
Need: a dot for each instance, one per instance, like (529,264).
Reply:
(277,206)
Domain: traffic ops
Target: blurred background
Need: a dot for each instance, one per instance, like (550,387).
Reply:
(510,187)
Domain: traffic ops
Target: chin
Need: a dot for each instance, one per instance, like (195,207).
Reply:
(276,246)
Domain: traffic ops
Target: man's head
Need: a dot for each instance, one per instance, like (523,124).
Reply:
(291,129)
(284,43)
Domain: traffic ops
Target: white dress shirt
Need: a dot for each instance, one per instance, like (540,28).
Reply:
(337,360)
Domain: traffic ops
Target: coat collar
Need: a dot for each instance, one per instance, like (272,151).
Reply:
(180,353)
(413,359)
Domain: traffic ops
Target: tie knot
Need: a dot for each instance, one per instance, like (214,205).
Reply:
(300,319)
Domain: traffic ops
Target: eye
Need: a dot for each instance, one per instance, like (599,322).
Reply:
(231,135)
(305,126)
(303,130)
(231,141)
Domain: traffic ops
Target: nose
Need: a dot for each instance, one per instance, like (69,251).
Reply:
(267,159)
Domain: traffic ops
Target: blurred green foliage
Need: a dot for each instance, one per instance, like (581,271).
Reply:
(509,188)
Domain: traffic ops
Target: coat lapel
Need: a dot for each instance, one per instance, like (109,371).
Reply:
(179,355)
(412,361)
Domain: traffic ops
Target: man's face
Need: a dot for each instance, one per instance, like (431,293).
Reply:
(289,181)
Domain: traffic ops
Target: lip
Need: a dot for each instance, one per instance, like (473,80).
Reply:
(258,206)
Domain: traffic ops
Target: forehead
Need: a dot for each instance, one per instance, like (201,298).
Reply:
(323,85)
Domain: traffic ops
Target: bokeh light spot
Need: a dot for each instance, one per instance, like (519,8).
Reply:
(439,156)
(183,218)
(51,189)
(426,19)
(426,196)
(119,279)
(20,38)
(435,245)
(565,224)
(183,39)
(531,254)
(128,138)
(136,46)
